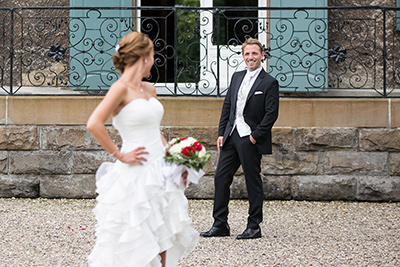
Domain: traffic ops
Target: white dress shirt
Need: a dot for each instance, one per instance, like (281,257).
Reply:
(242,127)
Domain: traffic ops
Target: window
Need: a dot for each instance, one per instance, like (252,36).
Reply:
(237,25)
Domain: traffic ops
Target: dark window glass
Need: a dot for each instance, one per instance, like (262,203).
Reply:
(237,25)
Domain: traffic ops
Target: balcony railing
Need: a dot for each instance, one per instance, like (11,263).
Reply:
(312,52)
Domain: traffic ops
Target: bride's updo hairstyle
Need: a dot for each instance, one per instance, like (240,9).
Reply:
(131,48)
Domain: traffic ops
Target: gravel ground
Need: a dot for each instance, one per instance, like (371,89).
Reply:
(60,232)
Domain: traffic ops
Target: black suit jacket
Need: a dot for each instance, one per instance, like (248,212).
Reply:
(260,111)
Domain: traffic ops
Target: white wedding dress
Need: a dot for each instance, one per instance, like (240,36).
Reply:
(140,213)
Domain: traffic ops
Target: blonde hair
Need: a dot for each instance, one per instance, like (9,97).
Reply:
(252,41)
(132,47)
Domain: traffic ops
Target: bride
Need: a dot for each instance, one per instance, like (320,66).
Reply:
(142,217)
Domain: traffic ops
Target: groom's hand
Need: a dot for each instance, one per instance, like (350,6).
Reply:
(252,140)
(219,142)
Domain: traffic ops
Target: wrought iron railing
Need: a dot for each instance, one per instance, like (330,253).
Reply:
(313,52)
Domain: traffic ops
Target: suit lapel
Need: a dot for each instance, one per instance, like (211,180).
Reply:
(237,86)
(256,84)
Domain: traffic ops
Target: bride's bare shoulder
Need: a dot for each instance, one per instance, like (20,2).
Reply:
(117,88)
(149,88)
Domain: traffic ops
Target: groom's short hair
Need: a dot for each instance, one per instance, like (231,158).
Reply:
(252,41)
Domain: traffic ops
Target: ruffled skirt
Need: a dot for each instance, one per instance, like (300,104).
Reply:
(139,215)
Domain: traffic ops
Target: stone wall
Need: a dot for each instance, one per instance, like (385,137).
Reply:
(324,164)
(308,163)
(323,149)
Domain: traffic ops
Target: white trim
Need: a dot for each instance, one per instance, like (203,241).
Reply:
(231,57)
(138,15)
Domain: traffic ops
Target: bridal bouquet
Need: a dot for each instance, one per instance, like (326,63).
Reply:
(185,154)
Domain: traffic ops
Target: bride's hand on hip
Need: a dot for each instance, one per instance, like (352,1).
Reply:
(134,156)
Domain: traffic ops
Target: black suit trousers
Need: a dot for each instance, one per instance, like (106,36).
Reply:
(238,151)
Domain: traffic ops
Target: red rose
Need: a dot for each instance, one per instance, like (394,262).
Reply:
(183,138)
(188,151)
(197,146)
(167,153)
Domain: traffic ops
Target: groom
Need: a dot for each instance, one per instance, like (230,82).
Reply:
(249,111)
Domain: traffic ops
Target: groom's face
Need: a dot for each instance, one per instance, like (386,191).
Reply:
(252,56)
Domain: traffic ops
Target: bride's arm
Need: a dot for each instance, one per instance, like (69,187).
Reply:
(164,141)
(110,105)
(107,107)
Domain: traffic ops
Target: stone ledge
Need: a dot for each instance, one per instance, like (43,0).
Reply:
(205,111)
(395,113)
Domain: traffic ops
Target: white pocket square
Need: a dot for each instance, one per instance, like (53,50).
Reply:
(258,93)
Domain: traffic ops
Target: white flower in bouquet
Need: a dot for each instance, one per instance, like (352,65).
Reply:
(187,151)
(202,152)
(185,154)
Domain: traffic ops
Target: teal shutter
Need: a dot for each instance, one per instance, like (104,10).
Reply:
(93,37)
(299,46)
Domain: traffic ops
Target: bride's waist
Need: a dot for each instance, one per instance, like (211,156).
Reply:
(153,147)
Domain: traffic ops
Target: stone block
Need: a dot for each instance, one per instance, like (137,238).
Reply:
(3,162)
(238,187)
(87,162)
(211,165)
(19,138)
(165,131)
(277,187)
(19,185)
(324,188)
(320,139)
(207,135)
(347,162)
(67,186)
(394,164)
(282,139)
(67,138)
(380,140)
(374,188)
(203,190)
(115,136)
(40,162)
(290,163)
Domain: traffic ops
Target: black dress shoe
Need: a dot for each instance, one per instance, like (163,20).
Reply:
(250,234)
(216,231)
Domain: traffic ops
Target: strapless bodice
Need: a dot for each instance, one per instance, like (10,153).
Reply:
(138,124)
